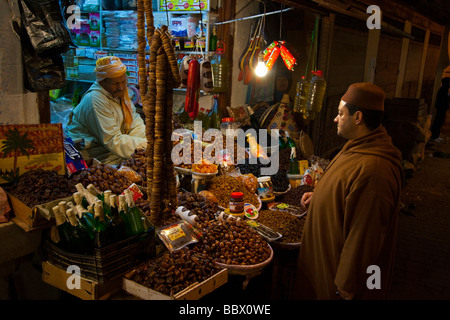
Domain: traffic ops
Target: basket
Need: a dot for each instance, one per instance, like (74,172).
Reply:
(109,262)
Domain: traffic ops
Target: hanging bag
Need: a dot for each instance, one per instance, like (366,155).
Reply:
(44,24)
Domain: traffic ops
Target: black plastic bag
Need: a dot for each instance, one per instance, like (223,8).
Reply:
(45,26)
(41,72)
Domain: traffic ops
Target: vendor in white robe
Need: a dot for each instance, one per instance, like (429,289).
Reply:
(105,125)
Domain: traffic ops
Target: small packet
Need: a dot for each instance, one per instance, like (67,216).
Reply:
(176,235)
(74,160)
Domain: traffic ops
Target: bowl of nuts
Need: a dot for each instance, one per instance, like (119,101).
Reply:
(247,270)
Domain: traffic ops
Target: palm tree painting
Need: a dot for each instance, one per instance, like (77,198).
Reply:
(16,144)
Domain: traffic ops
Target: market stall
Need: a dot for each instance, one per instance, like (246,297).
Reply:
(214,195)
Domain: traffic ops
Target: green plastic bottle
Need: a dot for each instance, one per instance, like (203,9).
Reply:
(214,117)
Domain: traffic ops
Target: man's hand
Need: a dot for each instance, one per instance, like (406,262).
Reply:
(306,198)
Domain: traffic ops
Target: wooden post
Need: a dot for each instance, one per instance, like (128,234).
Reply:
(371,55)
(44,107)
(403,60)
(422,63)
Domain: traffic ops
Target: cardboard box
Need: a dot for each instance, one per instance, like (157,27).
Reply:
(24,147)
(35,218)
(193,292)
(88,289)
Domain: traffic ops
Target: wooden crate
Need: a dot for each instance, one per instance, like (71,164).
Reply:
(193,292)
(88,290)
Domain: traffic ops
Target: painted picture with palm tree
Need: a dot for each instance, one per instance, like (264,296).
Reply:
(28,147)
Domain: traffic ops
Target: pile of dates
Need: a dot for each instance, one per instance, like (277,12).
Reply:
(103,177)
(203,208)
(172,272)
(232,241)
(40,186)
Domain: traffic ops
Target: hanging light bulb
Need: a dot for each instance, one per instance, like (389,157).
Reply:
(261,69)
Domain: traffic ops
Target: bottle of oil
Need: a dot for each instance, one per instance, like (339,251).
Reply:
(220,68)
(301,97)
(316,93)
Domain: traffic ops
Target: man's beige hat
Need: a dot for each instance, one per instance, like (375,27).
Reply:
(365,95)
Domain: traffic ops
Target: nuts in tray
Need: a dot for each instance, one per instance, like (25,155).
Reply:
(172,272)
(40,186)
(288,225)
(232,242)
(103,177)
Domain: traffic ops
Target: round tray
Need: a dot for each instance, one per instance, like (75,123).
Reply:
(246,270)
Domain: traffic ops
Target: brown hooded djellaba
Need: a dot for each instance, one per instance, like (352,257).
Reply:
(352,221)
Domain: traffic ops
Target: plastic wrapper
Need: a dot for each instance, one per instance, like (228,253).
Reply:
(74,160)
(45,26)
(209,196)
(130,174)
(250,182)
(176,235)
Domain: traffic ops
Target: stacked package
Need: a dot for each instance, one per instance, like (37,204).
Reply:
(120,29)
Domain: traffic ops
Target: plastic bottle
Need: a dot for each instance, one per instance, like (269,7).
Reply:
(220,68)
(316,93)
(301,97)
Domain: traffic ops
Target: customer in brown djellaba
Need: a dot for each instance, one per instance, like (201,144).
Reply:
(348,241)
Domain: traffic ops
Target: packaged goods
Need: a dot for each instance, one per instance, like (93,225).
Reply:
(176,236)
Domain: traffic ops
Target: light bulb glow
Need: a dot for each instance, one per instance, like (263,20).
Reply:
(261,69)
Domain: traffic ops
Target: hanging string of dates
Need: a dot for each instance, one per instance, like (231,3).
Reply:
(156,83)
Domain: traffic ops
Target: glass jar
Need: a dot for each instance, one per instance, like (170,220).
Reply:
(265,188)
(237,204)
(227,123)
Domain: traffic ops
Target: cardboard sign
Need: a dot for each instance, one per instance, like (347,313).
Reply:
(25,147)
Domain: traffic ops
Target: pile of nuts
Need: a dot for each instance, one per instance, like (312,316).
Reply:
(204,209)
(285,223)
(232,242)
(172,272)
(40,186)
(103,177)
(222,186)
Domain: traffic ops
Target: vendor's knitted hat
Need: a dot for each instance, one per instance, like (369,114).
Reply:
(365,95)
(446,73)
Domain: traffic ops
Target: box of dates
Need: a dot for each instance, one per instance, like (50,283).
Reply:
(178,275)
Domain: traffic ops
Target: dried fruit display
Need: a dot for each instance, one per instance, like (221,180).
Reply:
(172,272)
(157,81)
(103,177)
(288,225)
(40,186)
(222,186)
(232,242)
